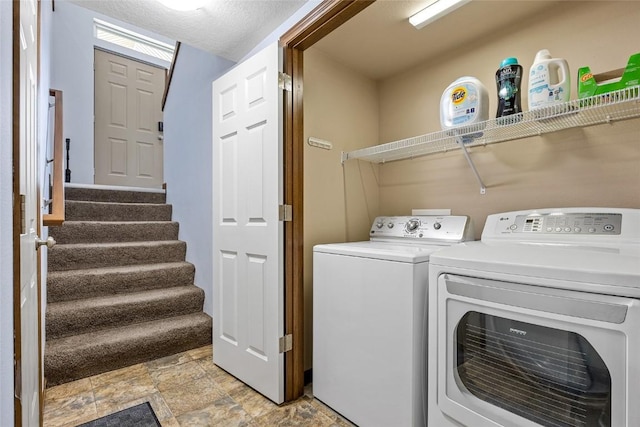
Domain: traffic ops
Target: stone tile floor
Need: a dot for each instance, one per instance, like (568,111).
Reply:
(185,389)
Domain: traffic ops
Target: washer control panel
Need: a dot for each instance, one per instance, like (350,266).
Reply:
(449,228)
(592,223)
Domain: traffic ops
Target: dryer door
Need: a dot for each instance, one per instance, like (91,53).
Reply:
(517,354)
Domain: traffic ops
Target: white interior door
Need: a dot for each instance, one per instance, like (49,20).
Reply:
(247,234)
(128,107)
(28,360)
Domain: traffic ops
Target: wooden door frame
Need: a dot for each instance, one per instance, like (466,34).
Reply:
(328,16)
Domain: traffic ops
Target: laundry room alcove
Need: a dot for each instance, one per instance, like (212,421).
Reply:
(376,80)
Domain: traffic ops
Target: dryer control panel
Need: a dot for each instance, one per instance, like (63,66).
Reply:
(567,223)
(587,226)
(422,228)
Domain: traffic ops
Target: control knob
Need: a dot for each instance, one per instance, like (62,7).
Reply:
(437,226)
(412,225)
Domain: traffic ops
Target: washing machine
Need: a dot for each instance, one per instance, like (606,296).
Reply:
(369,330)
(538,323)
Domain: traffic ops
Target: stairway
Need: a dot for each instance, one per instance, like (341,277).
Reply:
(119,291)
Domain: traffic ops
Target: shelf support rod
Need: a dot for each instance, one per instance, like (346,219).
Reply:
(460,141)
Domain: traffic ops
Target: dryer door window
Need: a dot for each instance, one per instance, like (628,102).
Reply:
(549,376)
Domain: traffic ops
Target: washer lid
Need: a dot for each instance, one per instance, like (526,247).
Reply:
(410,253)
(616,271)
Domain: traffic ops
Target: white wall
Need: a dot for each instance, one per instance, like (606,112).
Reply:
(72,72)
(6,215)
(188,156)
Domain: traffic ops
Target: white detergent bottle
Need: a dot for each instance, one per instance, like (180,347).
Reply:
(549,82)
(464,106)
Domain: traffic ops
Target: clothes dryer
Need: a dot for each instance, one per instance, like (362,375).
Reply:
(369,330)
(537,324)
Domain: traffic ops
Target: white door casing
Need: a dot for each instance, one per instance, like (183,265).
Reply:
(248,285)
(28,389)
(128,108)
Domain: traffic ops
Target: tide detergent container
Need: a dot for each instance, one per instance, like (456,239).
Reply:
(549,81)
(463,104)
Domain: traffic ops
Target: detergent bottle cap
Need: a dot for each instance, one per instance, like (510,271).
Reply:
(508,61)
(542,55)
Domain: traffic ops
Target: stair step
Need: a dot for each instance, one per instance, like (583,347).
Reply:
(120,196)
(83,256)
(114,231)
(92,314)
(109,211)
(77,284)
(80,356)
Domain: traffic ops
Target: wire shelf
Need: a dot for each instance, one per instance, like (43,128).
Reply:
(613,106)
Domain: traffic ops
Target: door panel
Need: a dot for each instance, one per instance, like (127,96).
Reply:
(248,236)
(128,107)
(27,334)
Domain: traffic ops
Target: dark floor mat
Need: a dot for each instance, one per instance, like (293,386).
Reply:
(141,415)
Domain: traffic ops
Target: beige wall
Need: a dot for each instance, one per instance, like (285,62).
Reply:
(340,203)
(597,166)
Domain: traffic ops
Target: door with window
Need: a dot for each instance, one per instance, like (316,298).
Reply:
(128,112)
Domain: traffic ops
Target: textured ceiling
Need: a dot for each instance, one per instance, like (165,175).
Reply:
(227,28)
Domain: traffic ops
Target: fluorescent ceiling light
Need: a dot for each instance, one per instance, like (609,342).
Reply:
(434,11)
(183,5)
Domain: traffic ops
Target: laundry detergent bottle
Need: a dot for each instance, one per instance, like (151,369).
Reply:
(508,78)
(464,102)
(549,81)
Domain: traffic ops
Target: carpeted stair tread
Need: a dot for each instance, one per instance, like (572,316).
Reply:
(81,316)
(119,291)
(110,211)
(95,255)
(95,282)
(80,356)
(114,231)
(120,196)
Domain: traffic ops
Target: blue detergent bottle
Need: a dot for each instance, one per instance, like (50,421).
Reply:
(508,78)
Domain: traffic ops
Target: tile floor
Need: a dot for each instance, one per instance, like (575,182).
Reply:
(185,389)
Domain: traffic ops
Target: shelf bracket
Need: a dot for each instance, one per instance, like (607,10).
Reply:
(460,141)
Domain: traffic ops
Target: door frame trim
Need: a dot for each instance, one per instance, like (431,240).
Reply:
(17,213)
(328,16)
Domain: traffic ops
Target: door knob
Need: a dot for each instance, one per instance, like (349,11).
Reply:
(50,242)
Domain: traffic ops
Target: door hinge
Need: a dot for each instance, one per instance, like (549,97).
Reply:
(286,343)
(17,379)
(23,221)
(285,213)
(284,81)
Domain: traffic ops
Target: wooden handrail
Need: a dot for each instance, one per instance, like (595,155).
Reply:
(56,217)
(170,76)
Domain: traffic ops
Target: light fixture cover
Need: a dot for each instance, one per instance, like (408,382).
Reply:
(435,11)
(183,5)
